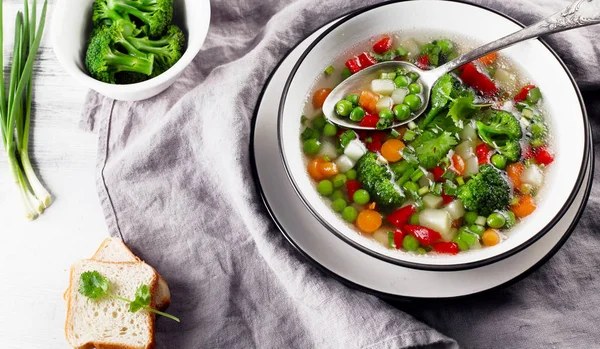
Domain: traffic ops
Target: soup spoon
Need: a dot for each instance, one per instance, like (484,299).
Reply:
(580,13)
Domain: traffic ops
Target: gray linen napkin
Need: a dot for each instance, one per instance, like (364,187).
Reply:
(175,183)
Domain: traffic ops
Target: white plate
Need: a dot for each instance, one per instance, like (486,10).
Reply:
(348,264)
(561,98)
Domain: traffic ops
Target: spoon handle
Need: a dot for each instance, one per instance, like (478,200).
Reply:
(578,14)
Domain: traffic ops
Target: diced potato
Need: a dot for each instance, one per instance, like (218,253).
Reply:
(355,150)
(384,103)
(384,87)
(328,149)
(344,163)
(399,94)
(533,176)
(456,209)
(471,166)
(381,237)
(432,201)
(438,220)
(413,47)
(465,149)
(469,132)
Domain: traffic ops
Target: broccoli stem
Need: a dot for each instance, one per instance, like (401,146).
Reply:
(122,62)
(132,8)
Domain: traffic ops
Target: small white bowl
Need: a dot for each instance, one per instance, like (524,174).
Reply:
(72,25)
(562,100)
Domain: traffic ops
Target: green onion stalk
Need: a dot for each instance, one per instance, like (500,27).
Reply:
(15,106)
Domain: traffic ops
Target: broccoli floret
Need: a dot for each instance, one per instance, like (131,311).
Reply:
(502,131)
(109,52)
(485,193)
(156,14)
(376,179)
(167,51)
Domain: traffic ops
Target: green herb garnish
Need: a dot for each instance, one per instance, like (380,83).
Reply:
(95,286)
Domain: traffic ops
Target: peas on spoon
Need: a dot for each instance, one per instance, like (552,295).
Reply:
(340,111)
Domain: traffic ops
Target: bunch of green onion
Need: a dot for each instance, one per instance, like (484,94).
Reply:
(15,106)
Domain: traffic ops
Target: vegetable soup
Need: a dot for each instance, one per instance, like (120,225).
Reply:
(458,177)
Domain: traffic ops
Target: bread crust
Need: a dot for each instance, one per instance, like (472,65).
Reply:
(105,345)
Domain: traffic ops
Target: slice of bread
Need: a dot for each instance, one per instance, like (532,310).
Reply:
(114,250)
(107,323)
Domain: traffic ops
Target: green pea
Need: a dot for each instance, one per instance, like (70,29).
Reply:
(470,218)
(349,214)
(338,205)
(538,130)
(414,219)
(414,88)
(361,197)
(352,98)
(511,219)
(339,180)
(496,220)
(386,114)
(477,229)
(499,161)
(343,107)
(401,81)
(357,114)
(402,112)
(311,146)
(462,245)
(413,102)
(325,187)
(410,243)
(351,174)
(537,142)
(330,130)
(337,194)
(319,122)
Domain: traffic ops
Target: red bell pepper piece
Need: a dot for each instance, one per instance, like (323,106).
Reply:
(366,60)
(383,45)
(528,154)
(425,236)
(398,237)
(353,64)
(478,80)
(543,156)
(447,198)
(360,62)
(352,186)
(522,95)
(423,62)
(446,247)
(438,172)
(373,146)
(483,151)
(400,217)
(369,120)
(362,134)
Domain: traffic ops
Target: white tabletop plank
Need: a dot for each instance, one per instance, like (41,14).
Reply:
(35,256)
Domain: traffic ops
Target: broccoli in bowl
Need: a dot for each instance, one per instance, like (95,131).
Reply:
(133,41)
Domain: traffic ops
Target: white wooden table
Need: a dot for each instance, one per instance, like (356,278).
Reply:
(35,256)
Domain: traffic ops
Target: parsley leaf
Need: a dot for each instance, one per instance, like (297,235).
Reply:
(142,299)
(431,151)
(463,108)
(93,285)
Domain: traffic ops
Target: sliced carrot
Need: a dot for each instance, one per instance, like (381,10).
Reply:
(390,150)
(314,169)
(328,169)
(368,101)
(524,207)
(459,164)
(490,237)
(515,171)
(488,59)
(320,96)
(368,221)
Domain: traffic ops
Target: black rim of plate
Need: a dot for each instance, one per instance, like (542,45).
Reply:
(413,265)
